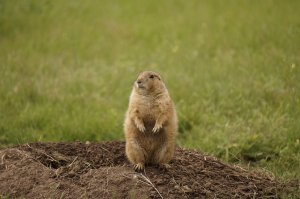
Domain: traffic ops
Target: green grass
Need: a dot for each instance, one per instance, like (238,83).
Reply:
(232,68)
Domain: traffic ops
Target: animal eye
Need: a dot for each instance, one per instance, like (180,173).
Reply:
(151,76)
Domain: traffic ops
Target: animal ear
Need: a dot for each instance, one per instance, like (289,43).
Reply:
(158,77)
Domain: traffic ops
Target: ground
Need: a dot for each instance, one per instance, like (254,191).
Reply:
(100,170)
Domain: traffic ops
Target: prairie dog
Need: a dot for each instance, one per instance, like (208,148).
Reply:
(151,123)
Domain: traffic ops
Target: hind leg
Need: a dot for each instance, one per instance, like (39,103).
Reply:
(165,152)
(135,155)
(163,156)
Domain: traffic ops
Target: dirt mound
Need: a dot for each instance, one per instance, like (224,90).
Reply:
(100,170)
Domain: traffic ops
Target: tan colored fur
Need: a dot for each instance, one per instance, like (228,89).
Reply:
(151,123)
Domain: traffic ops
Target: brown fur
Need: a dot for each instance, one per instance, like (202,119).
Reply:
(151,122)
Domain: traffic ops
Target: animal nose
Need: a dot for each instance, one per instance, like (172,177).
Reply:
(139,81)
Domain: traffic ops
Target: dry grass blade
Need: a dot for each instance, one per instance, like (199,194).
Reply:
(148,180)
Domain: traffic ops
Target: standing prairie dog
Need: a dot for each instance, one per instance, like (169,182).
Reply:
(151,123)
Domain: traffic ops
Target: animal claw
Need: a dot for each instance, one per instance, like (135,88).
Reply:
(156,128)
(141,128)
(138,167)
(164,166)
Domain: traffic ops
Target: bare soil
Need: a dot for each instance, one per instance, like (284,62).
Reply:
(101,170)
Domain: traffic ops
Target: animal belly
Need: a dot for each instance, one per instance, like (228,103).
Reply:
(149,122)
(150,142)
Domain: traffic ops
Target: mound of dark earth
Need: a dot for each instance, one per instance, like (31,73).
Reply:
(100,170)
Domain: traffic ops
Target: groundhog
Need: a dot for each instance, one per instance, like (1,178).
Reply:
(151,123)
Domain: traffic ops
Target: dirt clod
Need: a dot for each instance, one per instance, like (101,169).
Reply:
(101,170)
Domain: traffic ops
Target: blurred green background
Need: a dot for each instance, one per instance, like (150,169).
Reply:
(231,67)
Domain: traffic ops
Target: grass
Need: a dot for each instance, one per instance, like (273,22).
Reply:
(232,69)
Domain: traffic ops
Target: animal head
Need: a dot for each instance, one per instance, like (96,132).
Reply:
(149,83)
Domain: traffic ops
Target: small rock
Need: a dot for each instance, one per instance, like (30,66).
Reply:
(186,189)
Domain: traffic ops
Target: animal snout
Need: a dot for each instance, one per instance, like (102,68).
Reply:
(140,84)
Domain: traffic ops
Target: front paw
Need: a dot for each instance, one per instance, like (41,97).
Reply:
(141,127)
(156,128)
